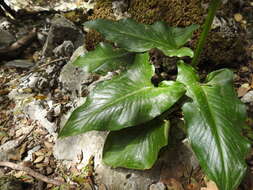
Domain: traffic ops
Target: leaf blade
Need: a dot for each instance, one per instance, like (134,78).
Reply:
(136,37)
(137,147)
(214,119)
(126,100)
(103,59)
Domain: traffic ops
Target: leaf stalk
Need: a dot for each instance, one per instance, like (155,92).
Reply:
(213,6)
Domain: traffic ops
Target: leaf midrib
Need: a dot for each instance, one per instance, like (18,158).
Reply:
(105,59)
(213,122)
(120,99)
(145,39)
(111,57)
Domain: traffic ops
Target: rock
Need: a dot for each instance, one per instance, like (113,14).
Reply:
(29,156)
(157,186)
(7,149)
(62,30)
(6,39)
(248,98)
(4,23)
(70,73)
(91,143)
(20,63)
(66,49)
(120,9)
(36,112)
(33,6)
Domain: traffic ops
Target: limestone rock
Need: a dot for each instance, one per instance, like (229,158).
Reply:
(6,39)
(248,98)
(20,63)
(62,30)
(33,6)
(91,143)
(72,76)
(66,49)
(157,186)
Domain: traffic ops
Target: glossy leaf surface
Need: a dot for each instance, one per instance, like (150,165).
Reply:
(103,59)
(214,119)
(136,147)
(126,100)
(137,37)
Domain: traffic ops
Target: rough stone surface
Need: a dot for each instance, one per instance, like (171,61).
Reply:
(91,143)
(42,5)
(72,76)
(62,30)
(66,49)
(157,186)
(6,39)
(35,111)
(248,98)
(20,63)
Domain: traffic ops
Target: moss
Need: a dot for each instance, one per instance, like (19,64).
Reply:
(224,51)
(174,12)
(102,9)
(92,38)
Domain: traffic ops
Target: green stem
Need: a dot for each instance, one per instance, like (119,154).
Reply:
(213,6)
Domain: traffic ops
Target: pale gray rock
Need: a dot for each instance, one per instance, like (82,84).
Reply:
(120,9)
(9,147)
(33,6)
(6,39)
(72,76)
(66,49)
(20,63)
(248,98)
(157,186)
(91,144)
(62,30)
(36,112)
(29,156)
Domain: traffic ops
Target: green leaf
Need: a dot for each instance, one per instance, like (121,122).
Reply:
(103,59)
(136,37)
(125,100)
(214,120)
(136,147)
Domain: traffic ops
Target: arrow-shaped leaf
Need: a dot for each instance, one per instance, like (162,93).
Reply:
(214,119)
(126,100)
(103,59)
(136,37)
(136,147)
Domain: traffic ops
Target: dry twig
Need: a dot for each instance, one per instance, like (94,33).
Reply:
(30,172)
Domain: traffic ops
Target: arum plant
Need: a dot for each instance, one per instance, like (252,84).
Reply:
(129,104)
